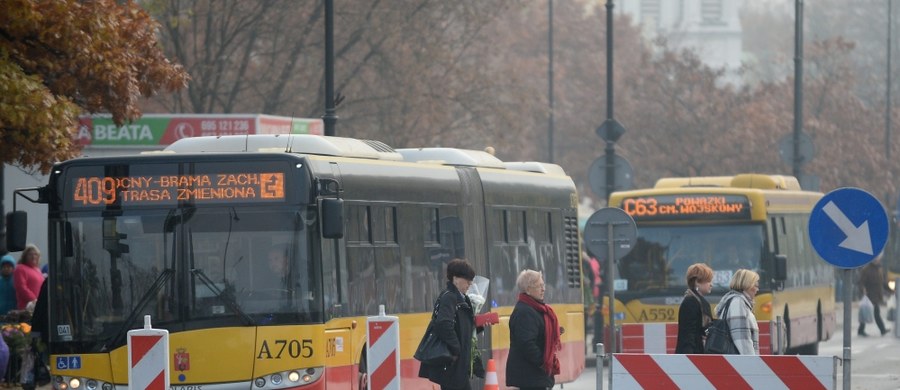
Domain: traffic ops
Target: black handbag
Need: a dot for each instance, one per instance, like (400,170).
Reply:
(718,336)
(431,350)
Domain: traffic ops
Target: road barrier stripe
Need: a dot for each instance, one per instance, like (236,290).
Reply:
(731,372)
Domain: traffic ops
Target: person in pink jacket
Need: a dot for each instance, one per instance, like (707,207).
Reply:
(27,277)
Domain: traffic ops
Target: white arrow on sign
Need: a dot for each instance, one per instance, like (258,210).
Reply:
(858,238)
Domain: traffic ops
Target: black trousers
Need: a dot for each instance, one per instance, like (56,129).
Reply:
(878,321)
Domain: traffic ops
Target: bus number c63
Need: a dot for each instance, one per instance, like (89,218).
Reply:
(657,315)
(640,207)
(285,348)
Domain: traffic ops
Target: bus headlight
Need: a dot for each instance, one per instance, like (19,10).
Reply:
(91,384)
(294,376)
(766,307)
(107,386)
(74,383)
(276,379)
(259,382)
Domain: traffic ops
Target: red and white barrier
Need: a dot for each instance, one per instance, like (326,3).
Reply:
(638,371)
(662,337)
(651,337)
(383,356)
(148,358)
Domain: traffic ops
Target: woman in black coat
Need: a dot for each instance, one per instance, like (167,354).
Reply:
(454,324)
(533,337)
(694,314)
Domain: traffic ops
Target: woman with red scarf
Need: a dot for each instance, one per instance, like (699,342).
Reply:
(533,337)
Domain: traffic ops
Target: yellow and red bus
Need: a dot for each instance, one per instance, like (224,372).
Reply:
(751,221)
(185,235)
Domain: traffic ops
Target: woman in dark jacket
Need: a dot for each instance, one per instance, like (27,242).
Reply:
(454,324)
(533,337)
(694,314)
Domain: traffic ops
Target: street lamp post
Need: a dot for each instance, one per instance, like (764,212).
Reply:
(550,80)
(330,118)
(798,88)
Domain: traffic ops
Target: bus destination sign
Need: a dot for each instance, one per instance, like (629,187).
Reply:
(161,189)
(687,206)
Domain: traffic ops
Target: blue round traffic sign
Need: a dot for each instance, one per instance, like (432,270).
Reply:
(848,227)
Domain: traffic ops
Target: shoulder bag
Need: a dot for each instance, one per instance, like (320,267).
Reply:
(432,351)
(718,335)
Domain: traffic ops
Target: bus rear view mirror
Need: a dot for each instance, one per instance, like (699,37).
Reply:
(780,268)
(16,230)
(332,218)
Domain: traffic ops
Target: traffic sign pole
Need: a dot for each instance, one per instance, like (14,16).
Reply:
(848,323)
(611,231)
(848,228)
(611,275)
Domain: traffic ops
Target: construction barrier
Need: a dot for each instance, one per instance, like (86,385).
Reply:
(383,356)
(148,358)
(661,337)
(732,372)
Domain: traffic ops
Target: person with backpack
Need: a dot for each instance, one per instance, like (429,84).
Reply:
(741,320)
(454,324)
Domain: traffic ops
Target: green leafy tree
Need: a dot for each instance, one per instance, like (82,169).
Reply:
(63,57)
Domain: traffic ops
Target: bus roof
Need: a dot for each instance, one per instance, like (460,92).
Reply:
(352,148)
(746,180)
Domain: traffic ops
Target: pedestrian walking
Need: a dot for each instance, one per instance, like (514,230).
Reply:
(534,337)
(741,320)
(694,314)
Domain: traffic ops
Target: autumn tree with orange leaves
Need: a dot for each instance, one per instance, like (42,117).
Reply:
(61,58)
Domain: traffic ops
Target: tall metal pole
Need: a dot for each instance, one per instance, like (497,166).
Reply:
(550,81)
(798,87)
(610,144)
(330,118)
(887,107)
(848,325)
(610,184)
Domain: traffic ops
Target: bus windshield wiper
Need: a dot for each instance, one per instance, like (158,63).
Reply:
(228,299)
(123,330)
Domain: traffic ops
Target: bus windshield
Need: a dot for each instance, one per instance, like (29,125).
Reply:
(662,255)
(187,268)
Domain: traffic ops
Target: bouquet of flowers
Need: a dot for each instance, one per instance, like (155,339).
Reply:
(478,291)
(477,295)
(17,337)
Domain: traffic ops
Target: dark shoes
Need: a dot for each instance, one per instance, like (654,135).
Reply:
(862,334)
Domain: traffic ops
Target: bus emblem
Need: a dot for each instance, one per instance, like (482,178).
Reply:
(182,360)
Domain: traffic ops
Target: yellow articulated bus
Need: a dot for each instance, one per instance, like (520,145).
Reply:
(751,221)
(263,255)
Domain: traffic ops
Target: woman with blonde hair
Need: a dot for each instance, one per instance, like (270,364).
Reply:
(741,321)
(27,277)
(533,337)
(694,314)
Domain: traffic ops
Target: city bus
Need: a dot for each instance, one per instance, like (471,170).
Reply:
(188,235)
(750,221)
